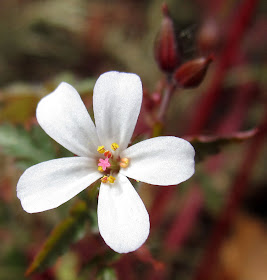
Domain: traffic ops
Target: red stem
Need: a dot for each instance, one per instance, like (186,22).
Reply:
(125,267)
(184,220)
(170,88)
(241,20)
(157,210)
(244,97)
(238,189)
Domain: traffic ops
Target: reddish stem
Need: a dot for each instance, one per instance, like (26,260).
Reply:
(238,189)
(184,220)
(168,92)
(241,20)
(244,97)
(157,210)
(125,267)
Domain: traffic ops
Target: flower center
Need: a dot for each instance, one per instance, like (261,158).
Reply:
(103,164)
(110,165)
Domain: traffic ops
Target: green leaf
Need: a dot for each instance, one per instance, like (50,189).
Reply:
(211,145)
(67,232)
(28,148)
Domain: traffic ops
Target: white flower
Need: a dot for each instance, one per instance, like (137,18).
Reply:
(122,217)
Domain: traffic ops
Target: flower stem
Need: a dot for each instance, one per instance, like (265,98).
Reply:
(165,101)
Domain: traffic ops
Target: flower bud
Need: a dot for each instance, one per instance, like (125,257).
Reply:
(166,51)
(192,73)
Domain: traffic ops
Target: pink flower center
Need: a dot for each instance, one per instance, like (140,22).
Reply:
(104,163)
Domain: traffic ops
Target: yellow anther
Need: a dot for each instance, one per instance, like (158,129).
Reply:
(104,179)
(114,146)
(100,169)
(101,149)
(124,162)
(111,179)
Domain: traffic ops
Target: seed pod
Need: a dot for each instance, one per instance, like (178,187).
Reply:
(192,73)
(166,50)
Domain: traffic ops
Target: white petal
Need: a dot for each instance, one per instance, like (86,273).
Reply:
(117,101)
(165,160)
(49,184)
(63,116)
(122,217)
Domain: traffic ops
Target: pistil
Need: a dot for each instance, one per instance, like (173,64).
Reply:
(104,163)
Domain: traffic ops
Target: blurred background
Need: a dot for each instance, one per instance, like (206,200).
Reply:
(209,57)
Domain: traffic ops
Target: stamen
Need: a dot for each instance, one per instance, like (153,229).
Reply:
(101,149)
(114,146)
(104,163)
(104,179)
(111,179)
(108,179)
(124,162)
(107,154)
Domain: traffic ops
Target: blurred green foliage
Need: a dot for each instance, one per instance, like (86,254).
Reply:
(69,230)
(28,148)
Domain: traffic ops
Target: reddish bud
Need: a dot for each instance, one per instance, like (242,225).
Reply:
(192,73)
(166,51)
